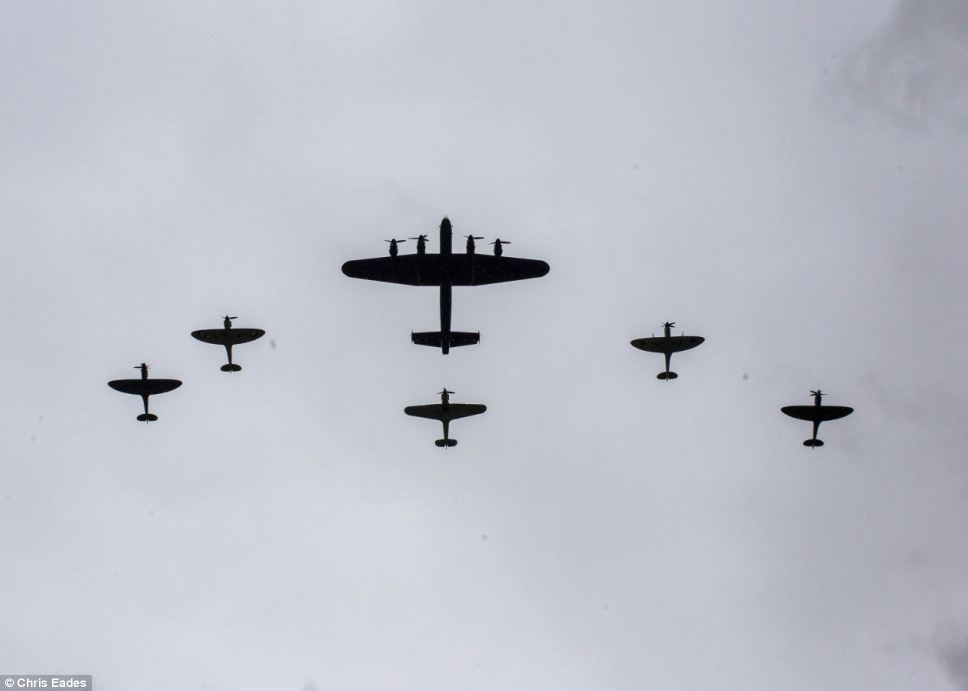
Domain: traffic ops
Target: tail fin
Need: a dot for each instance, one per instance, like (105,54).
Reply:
(435,339)
(446,442)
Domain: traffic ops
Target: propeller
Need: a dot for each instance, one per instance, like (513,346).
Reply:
(499,246)
(146,366)
(470,242)
(393,246)
(669,325)
(818,392)
(418,238)
(228,317)
(445,391)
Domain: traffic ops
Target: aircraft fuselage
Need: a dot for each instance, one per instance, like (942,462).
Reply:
(446,287)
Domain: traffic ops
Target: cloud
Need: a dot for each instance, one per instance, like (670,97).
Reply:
(914,68)
(952,652)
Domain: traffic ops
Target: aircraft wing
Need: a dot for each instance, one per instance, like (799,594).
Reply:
(143,387)
(427,269)
(680,343)
(228,336)
(456,410)
(815,413)
(436,411)
(673,344)
(408,269)
(481,269)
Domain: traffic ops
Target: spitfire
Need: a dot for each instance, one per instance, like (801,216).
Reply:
(228,337)
(816,414)
(144,387)
(667,344)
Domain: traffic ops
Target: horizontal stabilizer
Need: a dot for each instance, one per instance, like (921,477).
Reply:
(462,338)
(813,442)
(666,375)
(147,417)
(434,338)
(446,442)
(231,368)
(427,338)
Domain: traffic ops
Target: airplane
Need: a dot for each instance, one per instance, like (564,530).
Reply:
(445,411)
(445,270)
(816,414)
(144,387)
(667,344)
(228,337)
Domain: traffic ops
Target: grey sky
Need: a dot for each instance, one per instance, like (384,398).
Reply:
(914,68)
(785,180)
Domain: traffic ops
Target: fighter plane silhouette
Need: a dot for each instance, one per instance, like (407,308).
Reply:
(144,387)
(667,344)
(816,414)
(228,337)
(445,411)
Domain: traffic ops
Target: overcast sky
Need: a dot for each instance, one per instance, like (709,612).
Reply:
(785,179)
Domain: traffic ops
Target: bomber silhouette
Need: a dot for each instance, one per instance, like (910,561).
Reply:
(144,387)
(228,337)
(816,414)
(445,270)
(667,344)
(445,411)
